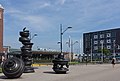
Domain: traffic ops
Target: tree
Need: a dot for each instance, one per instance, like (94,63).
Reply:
(106,53)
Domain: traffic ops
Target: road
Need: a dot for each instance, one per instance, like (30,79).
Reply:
(101,72)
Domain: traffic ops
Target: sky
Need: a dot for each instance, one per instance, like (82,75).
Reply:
(43,17)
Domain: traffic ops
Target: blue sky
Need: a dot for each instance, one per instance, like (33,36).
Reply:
(45,16)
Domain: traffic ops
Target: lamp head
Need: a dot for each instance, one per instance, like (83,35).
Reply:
(69,27)
(35,34)
(76,41)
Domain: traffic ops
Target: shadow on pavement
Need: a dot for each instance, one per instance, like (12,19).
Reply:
(35,67)
(52,72)
(49,72)
(3,77)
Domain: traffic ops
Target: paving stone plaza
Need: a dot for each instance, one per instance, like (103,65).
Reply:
(97,72)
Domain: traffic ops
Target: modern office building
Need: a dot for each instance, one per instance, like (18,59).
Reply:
(94,42)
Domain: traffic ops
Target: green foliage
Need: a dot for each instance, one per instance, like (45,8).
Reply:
(42,61)
(105,51)
(73,63)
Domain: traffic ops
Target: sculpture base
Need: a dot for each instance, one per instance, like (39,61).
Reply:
(29,69)
(61,70)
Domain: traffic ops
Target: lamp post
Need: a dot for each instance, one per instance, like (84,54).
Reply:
(114,48)
(91,51)
(102,51)
(69,45)
(72,44)
(61,38)
(86,56)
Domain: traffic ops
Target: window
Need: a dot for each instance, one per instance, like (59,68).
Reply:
(108,34)
(101,35)
(108,41)
(109,47)
(101,41)
(95,36)
(118,47)
(95,42)
(95,47)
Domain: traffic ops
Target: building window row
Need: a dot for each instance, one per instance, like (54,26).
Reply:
(102,41)
(102,35)
(108,47)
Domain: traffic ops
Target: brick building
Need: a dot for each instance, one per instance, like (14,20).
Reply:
(3,50)
(1,29)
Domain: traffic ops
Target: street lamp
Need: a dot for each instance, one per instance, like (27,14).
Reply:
(114,48)
(91,51)
(60,63)
(31,37)
(61,35)
(86,57)
(102,49)
(72,44)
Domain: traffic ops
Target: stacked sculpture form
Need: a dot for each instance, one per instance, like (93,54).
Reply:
(13,67)
(26,50)
(60,64)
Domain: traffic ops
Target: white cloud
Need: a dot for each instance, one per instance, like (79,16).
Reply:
(41,5)
(45,5)
(61,2)
(12,11)
(38,23)
(34,21)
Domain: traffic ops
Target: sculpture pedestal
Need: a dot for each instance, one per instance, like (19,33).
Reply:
(28,69)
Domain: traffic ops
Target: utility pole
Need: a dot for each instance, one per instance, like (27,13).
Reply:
(91,50)
(69,48)
(114,49)
(102,51)
(61,39)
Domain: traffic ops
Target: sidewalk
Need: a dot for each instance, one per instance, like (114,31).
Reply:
(98,72)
